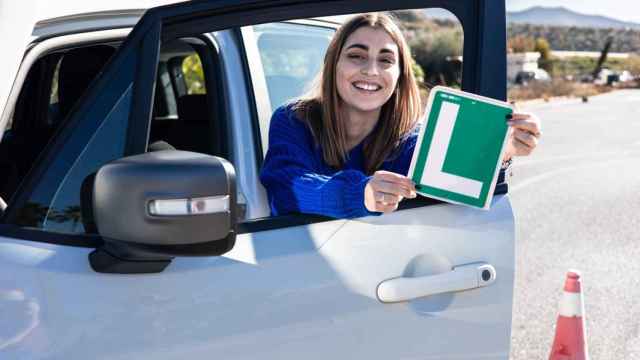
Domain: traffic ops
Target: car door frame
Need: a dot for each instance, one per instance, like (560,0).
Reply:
(189,19)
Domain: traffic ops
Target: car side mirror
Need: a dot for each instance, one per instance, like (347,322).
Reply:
(152,207)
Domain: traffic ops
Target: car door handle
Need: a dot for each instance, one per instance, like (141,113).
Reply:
(464,277)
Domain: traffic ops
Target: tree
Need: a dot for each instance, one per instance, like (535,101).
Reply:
(418,73)
(520,44)
(542,46)
(411,16)
(432,49)
(436,47)
(193,74)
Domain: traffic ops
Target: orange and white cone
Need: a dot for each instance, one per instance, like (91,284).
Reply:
(570,341)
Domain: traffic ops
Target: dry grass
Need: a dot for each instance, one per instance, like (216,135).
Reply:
(555,88)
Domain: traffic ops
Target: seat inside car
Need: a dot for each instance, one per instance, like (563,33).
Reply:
(192,131)
(184,98)
(77,69)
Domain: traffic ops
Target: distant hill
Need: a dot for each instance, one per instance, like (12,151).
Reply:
(579,38)
(561,16)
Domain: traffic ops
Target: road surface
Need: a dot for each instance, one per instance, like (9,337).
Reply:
(577,205)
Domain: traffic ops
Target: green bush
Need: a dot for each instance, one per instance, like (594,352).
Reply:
(193,74)
(435,44)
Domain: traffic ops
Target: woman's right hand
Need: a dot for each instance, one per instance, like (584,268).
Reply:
(385,190)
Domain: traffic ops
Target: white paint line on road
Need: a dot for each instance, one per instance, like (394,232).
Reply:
(523,162)
(538,178)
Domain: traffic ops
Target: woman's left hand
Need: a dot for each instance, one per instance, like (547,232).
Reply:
(524,135)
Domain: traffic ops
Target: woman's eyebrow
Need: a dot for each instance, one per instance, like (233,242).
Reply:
(358,46)
(366,48)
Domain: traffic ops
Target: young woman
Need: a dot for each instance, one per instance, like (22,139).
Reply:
(344,150)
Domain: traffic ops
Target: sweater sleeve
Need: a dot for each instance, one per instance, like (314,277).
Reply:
(292,177)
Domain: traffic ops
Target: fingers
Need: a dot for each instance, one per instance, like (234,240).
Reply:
(385,198)
(527,122)
(387,208)
(386,190)
(394,178)
(526,125)
(526,138)
(525,134)
(520,115)
(520,147)
(394,189)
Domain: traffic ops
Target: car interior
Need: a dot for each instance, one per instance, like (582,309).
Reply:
(52,87)
(185,101)
(182,115)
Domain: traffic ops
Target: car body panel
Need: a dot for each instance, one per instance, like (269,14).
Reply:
(288,293)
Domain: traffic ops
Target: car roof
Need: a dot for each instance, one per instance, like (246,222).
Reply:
(86,22)
(112,19)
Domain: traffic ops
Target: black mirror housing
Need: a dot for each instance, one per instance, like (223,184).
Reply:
(151,207)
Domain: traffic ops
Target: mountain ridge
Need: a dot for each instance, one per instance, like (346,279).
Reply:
(562,16)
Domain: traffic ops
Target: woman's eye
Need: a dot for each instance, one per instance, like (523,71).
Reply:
(355,56)
(388,61)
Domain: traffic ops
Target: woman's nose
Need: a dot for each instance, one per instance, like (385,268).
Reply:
(370,68)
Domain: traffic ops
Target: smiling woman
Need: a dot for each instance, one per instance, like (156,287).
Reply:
(343,150)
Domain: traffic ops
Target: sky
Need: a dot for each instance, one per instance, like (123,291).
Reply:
(627,10)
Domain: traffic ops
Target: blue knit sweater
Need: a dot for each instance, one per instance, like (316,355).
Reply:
(298,180)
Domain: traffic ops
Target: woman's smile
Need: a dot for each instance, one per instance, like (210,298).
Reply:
(367,87)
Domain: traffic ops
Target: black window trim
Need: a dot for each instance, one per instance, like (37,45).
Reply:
(246,227)
(209,53)
(188,20)
(144,86)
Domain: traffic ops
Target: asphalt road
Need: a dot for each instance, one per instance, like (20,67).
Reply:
(577,205)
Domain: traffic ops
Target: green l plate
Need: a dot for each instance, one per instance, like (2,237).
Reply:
(459,149)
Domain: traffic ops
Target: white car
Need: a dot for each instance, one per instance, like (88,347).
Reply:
(109,250)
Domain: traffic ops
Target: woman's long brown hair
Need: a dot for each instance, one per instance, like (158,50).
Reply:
(320,108)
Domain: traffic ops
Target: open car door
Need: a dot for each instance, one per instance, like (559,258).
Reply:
(430,281)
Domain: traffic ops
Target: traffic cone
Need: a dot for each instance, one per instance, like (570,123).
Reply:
(570,340)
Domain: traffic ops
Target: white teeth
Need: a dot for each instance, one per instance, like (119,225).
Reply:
(366,86)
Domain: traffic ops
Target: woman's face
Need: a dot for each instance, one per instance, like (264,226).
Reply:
(368,69)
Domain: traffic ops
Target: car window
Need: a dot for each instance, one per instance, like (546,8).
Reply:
(106,144)
(181,118)
(98,137)
(178,75)
(182,114)
(54,84)
(291,56)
